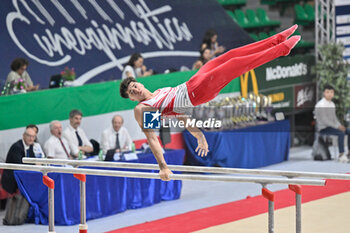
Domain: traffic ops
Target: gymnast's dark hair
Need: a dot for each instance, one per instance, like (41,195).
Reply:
(133,59)
(18,63)
(124,86)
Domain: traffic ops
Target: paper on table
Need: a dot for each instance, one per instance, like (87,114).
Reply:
(130,156)
(117,156)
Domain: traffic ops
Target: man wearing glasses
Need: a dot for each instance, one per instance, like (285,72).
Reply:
(21,148)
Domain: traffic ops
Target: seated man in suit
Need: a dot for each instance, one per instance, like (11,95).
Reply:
(116,137)
(75,135)
(56,146)
(21,148)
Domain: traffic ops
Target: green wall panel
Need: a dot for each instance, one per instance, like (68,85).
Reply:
(92,99)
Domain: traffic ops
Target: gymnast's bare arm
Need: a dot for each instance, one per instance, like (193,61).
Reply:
(202,148)
(154,144)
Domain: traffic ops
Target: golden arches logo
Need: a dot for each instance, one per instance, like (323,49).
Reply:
(244,83)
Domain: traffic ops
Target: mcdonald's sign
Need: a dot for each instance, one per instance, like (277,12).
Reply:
(244,83)
(244,78)
(278,78)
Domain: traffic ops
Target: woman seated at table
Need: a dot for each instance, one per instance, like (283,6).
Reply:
(135,67)
(18,73)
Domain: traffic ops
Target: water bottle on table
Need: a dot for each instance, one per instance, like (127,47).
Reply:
(100,155)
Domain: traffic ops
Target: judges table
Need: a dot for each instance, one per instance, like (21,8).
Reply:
(104,195)
(250,147)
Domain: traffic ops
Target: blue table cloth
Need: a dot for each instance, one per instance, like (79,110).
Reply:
(250,147)
(104,195)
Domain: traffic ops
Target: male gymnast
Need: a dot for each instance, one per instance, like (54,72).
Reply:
(203,87)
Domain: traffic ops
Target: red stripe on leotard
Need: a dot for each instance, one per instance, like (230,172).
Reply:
(164,98)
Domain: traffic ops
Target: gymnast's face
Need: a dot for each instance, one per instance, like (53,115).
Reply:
(136,91)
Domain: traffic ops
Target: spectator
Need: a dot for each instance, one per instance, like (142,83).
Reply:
(38,151)
(135,68)
(210,41)
(328,124)
(19,71)
(18,150)
(75,135)
(116,137)
(56,146)
(204,58)
(33,127)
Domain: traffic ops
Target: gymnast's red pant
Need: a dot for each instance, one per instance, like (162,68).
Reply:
(217,73)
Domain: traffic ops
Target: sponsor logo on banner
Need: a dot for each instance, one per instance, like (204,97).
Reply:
(277,97)
(244,83)
(305,95)
(281,105)
(97,37)
(282,72)
(281,97)
(61,32)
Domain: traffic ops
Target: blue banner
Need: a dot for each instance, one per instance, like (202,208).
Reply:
(97,37)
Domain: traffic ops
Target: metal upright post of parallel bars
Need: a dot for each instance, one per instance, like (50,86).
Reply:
(297,190)
(270,196)
(82,226)
(50,183)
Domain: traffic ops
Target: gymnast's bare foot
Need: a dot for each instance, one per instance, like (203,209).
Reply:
(290,43)
(282,36)
(288,32)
